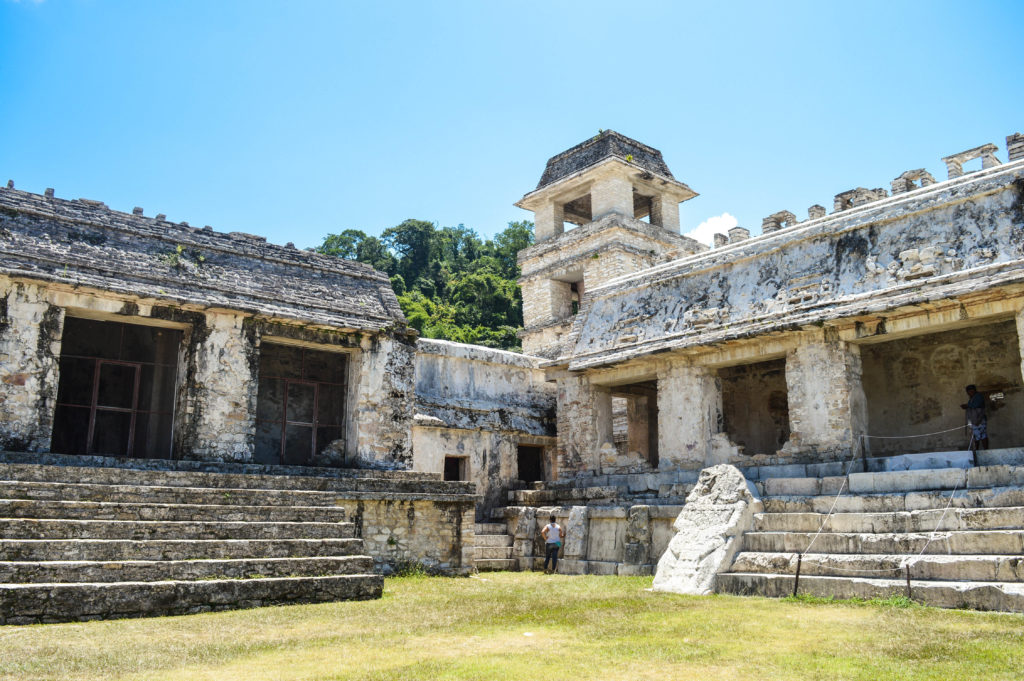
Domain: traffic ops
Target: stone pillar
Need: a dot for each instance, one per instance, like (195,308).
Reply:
(524,535)
(637,556)
(689,414)
(574,550)
(665,212)
(611,195)
(737,234)
(1020,338)
(383,401)
(827,407)
(222,402)
(584,424)
(548,221)
(30,334)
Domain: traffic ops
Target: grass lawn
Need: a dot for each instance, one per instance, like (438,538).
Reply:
(507,625)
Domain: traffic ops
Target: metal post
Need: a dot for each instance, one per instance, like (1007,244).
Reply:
(907,569)
(796,582)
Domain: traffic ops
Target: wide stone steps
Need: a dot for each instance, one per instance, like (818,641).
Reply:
(41,572)
(492,549)
(105,510)
(141,494)
(947,594)
(982,568)
(32,603)
(173,549)
(958,532)
(86,542)
(981,541)
(895,521)
(496,564)
(30,528)
(897,501)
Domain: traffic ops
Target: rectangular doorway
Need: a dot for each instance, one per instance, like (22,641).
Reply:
(456,468)
(115,396)
(300,406)
(530,461)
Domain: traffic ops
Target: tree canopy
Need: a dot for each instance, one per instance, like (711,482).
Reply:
(450,283)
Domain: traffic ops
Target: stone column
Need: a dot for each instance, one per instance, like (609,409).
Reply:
(689,414)
(611,195)
(827,407)
(638,542)
(30,334)
(1020,338)
(574,550)
(524,535)
(548,221)
(665,212)
(584,424)
(383,400)
(222,399)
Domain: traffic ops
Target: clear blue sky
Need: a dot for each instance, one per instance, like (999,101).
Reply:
(294,119)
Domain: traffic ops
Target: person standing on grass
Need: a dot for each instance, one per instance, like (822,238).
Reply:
(553,535)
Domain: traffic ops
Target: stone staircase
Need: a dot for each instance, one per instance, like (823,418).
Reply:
(960,529)
(493,548)
(93,541)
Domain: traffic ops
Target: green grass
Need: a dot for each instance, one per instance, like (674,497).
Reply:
(504,626)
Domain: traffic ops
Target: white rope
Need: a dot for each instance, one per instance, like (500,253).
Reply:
(846,477)
(901,437)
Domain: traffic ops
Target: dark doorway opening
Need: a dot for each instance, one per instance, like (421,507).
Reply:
(635,421)
(530,461)
(455,468)
(115,396)
(300,406)
(755,406)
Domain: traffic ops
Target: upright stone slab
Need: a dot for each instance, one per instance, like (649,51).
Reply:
(709,532)
(574,548)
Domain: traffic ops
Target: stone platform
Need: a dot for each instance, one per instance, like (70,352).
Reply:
(93,538)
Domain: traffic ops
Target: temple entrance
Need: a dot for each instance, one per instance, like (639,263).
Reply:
(530,463)
(634,412)
(300,406)
(915,386)
(115,396)
(755,406)
(456,468)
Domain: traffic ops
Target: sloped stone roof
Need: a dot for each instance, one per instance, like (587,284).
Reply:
(83,243)
(606,144)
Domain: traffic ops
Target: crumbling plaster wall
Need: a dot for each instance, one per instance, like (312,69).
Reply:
(755,407)
(940,241)
(30,333)
(479,403)
(915,386)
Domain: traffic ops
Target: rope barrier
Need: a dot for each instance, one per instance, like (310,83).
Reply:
(907,561)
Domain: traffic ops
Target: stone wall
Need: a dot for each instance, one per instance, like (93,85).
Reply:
(934,242)
(755,407)
(480,404)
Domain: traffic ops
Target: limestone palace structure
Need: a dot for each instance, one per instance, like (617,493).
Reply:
(194,420)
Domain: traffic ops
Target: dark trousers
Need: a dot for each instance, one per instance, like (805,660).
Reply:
(551,556)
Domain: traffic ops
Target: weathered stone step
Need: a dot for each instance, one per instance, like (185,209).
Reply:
(180,570)
(981,568)
(142,494)
(493,540)
(172,549)
(571,495)
(896,521)
(976,595)
(897,501)
(97,510)
(32,603)
(957,542)
(397,482)
(489,552)
(934,479)
(31,528)
(494,564)
(490,528)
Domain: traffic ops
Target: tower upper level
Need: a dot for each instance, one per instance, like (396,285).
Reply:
(607,174)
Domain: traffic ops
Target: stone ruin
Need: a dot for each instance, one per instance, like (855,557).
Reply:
(158,352)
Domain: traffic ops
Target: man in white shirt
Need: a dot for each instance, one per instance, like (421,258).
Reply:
(553,535)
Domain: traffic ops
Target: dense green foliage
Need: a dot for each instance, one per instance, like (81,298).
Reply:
(450,283)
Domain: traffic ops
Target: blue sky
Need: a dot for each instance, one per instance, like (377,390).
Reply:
(296,119)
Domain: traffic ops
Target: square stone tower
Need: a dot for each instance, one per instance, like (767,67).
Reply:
(602,209)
